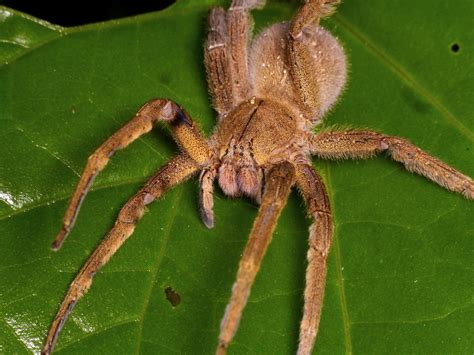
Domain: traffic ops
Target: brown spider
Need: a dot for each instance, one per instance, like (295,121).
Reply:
(268,97)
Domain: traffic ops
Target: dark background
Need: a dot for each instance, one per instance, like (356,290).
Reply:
(74,13)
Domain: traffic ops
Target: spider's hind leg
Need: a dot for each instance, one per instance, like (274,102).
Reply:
(310,13)
(182,127)
(240,26)
(316,60)
(216,59)
(226,54)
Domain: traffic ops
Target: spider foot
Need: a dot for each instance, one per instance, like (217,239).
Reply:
(221,349)
(60,237)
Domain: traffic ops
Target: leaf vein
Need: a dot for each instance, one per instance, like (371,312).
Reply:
(340,279)
(418,321)
(399,70)
(173,208)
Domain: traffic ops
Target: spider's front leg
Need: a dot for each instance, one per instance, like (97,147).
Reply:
(174,172)
(320,237)
(279,181)
(365,144)
(182,127)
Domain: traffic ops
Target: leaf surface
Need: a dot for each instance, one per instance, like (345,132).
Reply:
(400,270)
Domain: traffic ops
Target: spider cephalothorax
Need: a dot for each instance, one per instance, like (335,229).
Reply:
(268,96)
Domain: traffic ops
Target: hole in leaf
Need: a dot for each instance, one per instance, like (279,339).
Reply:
(172,296)
(455,47)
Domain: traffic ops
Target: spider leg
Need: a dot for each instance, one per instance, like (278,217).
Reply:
(240,26)
(216,59)
(300,54)
(364,144)
(310,13)
(206,181)
(182,127)
(320,237)
(225,54)
(279,181)
(174,172)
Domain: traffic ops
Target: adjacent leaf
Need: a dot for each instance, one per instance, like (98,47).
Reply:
(400,276)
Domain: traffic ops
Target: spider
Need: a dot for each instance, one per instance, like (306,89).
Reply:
(269,94)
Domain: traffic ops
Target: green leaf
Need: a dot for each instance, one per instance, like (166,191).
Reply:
(400,270)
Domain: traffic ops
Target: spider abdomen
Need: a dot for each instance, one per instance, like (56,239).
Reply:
(321,61)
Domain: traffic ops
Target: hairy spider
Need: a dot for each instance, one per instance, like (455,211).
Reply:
(268,95)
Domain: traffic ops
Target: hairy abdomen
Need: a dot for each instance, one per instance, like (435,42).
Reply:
(270,72)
